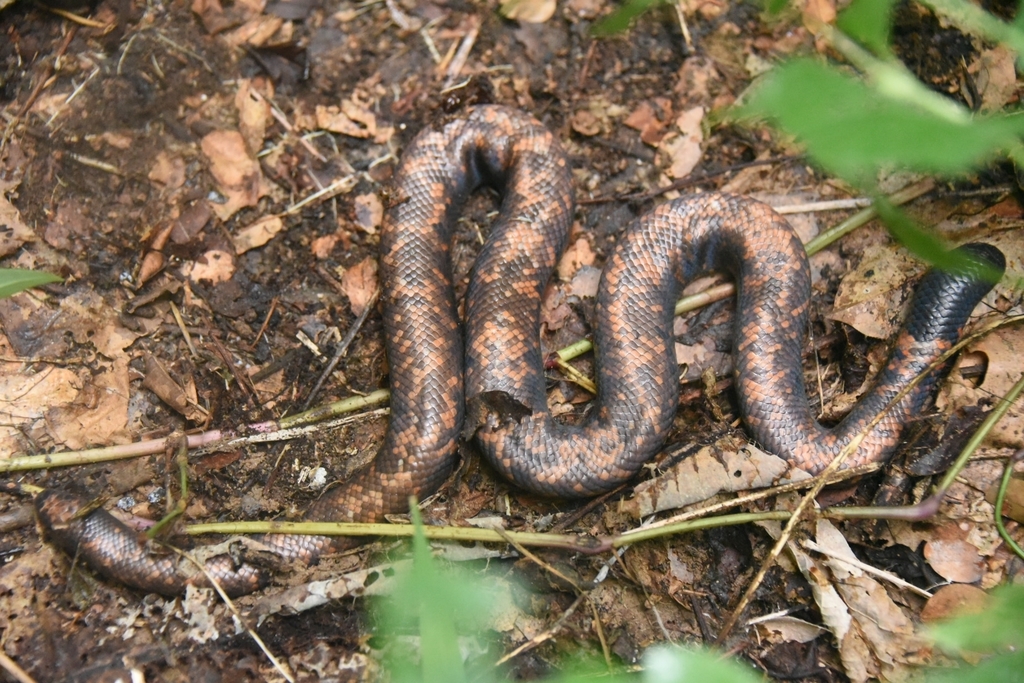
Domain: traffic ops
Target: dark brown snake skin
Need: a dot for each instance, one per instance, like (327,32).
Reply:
(637,372)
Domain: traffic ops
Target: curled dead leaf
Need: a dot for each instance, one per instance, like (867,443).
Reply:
(369,212)
(257,234)
(954,560)
(872,297)
(529,11)
(578,254)
(239,177)
(253,114)
(681,153)
(585,123)
(16,232)
(160,382)
(168,170)
(215,265)
(360,284)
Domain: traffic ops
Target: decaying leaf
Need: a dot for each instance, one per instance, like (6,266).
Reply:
(72,405)
(956,599)
(530,11)
(954,560)
(681,152)
(726,466)
(182,400)
(168,170)
(1001,352)
(872,298)
(352,118)
(651,118)
(360,284)
(13,231)
(578,254)
(555,308)
(996,78)
(216,265)
(876,638)
(253,114)
(257,234)
(239,177)
(369,212)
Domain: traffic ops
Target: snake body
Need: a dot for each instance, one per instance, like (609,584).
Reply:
(438,366)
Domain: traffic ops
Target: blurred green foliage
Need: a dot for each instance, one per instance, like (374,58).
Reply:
(873,117)
(432,609)
(13,281)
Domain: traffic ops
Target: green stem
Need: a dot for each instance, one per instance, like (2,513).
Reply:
(983,431)
(1001,498)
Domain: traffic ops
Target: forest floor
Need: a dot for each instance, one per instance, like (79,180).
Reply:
(208,181)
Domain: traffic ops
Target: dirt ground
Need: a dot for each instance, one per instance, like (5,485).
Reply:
(207,180)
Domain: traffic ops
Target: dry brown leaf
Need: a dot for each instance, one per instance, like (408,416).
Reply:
(578,254)
(555,309)
(650,118)
(120,141)
(76,406)
(818,12)
(876,638)
(530,11)
(996,78)
(351,118)
(257,234)
(323,246)
(261,31)
(369,212)
(954,560)
(216,265)
(682,152)
(13,231)
(253,114)
(956,599)
(872,298)
(585,123)
(786,628)
(69,226)
(725,466)
(360,283)
(168,170)
(585,282)
(191,221)
(160,382)
(238,175)
(213,16)
(1002,350)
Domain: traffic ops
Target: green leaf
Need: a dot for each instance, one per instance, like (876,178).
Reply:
(870,22)
(1007,668)
(13,281)
(618,21)
(435,605)
(853,130)
(1000,625)
(971,18)
(677,665)
(927,247)
(775,7)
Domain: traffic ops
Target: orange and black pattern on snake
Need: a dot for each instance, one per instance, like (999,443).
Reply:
(436,368)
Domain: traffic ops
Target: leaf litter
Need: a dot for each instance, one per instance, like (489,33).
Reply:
(221,161)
